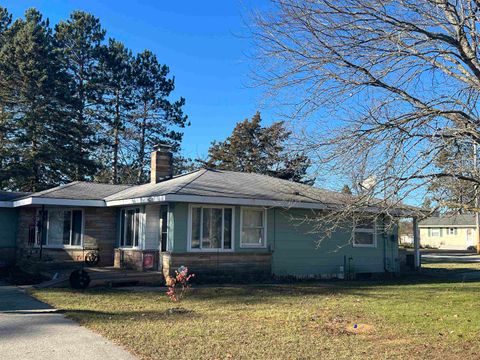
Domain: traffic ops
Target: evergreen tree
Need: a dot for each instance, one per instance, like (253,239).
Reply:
(79,41)
(5,92)
(116,71)
(155,118)
(256,149)
(346,190)
(35,106)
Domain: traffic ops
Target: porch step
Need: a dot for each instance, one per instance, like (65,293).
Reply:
(106,277)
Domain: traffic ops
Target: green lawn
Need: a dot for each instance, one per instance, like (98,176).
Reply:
(395,320)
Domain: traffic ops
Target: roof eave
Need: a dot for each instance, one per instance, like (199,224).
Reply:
(6,204)
(58,202)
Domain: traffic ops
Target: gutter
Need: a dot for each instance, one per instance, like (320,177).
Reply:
(59,202)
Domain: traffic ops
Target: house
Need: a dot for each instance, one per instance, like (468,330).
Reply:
(455,232)
(215,222)
(8,226)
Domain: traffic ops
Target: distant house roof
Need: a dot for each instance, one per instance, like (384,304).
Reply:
(449,220)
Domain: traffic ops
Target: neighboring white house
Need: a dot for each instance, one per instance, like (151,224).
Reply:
(456,232)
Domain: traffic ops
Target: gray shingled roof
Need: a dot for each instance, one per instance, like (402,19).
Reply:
(229,184)
(11,195)
(80,190)
(203,183)
(449,220)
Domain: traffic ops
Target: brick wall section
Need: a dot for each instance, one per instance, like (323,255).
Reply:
(100,231)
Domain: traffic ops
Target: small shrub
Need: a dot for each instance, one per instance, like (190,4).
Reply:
(179,285)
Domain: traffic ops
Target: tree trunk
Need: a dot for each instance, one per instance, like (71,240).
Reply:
(141,148)
(116,141)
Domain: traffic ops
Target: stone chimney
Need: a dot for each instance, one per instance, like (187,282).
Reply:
(161,166)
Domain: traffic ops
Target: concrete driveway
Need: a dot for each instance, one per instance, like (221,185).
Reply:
(30,329)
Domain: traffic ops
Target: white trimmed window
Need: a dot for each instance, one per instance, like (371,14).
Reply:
(253,228)
(434,232)
(452,231)
(211,228)
(364,234)
(62,228)
(129,227)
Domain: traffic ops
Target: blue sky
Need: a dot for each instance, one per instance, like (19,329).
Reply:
(201,42)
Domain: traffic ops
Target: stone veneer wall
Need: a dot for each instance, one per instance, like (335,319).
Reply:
(99,232)
(222,265)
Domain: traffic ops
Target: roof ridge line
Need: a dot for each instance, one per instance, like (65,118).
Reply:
(202,171)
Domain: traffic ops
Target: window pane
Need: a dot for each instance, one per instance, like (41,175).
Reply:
(77,227)
(363,238)
(227,231)
(66,227)
(252,218)
(163,227)
(42,222)
(136,226)
(56,220)
(212,228)
(129,228)
(252,236)
(196,213)
(122,228)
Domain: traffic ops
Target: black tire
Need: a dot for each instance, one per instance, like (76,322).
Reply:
(79,279)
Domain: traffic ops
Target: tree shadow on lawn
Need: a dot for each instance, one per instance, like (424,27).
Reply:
(279,293)
(171,314)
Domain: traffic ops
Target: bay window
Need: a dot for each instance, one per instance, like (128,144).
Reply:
(129,227)
(61,227)
(253,229)
(364,234)
(211,228)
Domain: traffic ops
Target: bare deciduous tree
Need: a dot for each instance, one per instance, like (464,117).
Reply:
(400,78)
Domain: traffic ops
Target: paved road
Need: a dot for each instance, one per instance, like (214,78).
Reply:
(451,256)
(33,330)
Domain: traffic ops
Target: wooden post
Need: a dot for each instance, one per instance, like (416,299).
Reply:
(416,244)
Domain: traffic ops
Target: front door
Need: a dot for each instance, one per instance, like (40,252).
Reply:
(163,228)
(470,238)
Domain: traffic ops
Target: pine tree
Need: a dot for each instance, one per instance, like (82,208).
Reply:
(155,118)
(5,95)
(256,149)
(346,190)
(36,106)
(116,73)
(79,42)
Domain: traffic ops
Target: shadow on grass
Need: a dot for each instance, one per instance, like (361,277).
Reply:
(173,314)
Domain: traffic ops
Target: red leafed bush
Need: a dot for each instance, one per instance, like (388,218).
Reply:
(180,284)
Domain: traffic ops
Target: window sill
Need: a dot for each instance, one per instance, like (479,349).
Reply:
(252,246)
(210,250)
(68,247)
(365,246)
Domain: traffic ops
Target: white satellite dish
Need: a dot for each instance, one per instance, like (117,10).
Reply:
(369,183)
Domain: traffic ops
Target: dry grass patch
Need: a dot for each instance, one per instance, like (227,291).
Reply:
(301,321)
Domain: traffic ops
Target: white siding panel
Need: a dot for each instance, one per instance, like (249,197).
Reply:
(152,228)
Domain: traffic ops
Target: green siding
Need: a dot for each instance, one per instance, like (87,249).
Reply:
(8,227)
(300,251)
(296,248)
